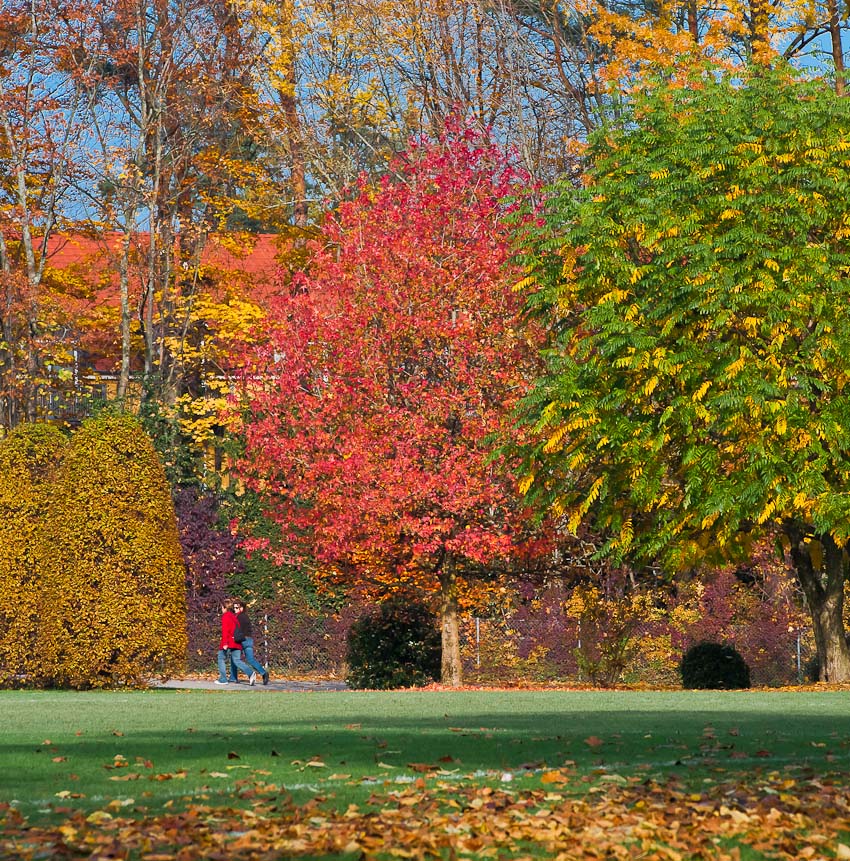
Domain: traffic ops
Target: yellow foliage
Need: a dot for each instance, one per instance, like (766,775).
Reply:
(27,459)
(104,596)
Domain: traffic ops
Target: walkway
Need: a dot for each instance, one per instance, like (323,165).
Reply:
(273,685)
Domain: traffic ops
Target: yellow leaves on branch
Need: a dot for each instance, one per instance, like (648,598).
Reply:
(582,509)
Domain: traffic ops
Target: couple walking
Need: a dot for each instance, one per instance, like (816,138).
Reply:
(236,649)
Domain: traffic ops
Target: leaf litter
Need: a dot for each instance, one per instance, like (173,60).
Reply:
(789,814)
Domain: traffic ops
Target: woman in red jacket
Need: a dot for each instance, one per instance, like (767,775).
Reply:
(228,649)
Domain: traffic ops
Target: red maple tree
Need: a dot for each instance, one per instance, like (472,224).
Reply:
(389,365)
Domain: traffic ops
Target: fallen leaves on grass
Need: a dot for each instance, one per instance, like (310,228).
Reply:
(773,814)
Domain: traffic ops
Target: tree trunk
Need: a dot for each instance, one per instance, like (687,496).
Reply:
(823,586)
(126,314)
(837,47)
(693,21)
(450,671)
(760,32)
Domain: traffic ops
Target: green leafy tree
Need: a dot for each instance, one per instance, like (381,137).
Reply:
(697,392)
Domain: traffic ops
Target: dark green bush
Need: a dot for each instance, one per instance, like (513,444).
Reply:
(712,666)
(396,646)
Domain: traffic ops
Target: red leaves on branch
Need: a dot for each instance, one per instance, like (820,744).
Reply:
(390,363)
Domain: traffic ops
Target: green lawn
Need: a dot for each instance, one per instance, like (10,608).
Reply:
(77,750)
(263,776)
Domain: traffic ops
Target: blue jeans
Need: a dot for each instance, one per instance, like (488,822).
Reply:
(235,662)
(248,656)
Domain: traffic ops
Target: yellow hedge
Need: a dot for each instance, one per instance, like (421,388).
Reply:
(28,458)
(111,576)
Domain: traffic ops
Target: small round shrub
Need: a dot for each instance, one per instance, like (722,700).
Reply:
(712,666)
(395,646)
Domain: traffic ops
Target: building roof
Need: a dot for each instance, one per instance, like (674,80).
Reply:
(84,268)
(251,258)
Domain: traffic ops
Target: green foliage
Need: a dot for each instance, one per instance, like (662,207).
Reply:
(696,294)
(712,666)
(107,567)
(396,646)
(183,462)
(258,575)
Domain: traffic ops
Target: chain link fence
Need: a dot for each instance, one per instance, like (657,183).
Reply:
(531,645)
(542,647)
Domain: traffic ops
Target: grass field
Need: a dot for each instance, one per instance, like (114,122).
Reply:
(96,759)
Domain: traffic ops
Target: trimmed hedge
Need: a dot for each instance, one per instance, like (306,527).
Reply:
(108,580)
(28,459)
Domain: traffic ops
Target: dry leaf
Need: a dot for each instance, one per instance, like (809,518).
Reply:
(98,817)
(553,777)
(423,767)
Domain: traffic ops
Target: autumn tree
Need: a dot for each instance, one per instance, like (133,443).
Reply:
(391,361)
(696,291)
(171,156)
(45,58)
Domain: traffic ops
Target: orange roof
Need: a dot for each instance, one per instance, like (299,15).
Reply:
(244,263)
(251,255)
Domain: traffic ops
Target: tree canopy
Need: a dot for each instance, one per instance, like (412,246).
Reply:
(390,362)
(696,388)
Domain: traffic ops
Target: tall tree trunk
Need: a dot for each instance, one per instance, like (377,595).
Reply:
(298,171)
(126,314)
(693,21)
(7,353)
(837,47)
(760,32)
(450,670)
(823,586)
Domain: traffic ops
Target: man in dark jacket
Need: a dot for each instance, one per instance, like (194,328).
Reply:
(247,634)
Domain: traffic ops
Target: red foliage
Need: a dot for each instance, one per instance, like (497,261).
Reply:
(390,363)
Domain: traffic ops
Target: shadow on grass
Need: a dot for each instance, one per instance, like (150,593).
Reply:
(174,744)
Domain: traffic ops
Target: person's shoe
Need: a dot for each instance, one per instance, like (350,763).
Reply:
(220,682)
(233,681)
(266,677)
(252,681)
